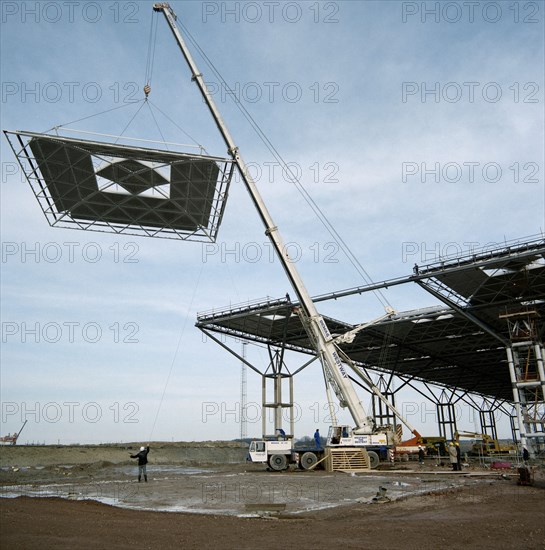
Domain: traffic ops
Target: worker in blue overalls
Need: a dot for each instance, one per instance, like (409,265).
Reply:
(317,439)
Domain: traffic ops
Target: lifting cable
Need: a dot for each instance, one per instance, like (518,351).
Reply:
(152,42)
(157,125)
(148,76)
(152,46)
(55,128)
(142,103)
(304,193)
(197,144)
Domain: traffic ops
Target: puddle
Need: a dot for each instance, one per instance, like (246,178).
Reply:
(157,469)
(176,488)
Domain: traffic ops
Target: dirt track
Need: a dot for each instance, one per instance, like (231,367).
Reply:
(456,519)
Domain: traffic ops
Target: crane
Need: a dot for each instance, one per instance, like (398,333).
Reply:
(335,364)
(11,439)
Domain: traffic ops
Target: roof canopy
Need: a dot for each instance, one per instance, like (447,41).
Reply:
(460,347)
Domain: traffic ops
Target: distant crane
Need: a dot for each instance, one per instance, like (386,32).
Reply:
(11,439)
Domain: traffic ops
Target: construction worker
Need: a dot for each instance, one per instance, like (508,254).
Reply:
(458,457)
(420,455)
(142,457)
(453,456)
(317,439)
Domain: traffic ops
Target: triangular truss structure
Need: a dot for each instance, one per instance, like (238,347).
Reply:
(113,188)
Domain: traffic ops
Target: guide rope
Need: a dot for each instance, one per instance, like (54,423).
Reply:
(178,345)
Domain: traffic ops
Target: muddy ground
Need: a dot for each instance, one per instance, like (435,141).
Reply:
(88,497)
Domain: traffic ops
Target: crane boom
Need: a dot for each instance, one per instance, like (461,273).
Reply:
(315,325)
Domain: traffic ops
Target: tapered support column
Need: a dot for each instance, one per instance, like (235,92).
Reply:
(516,397)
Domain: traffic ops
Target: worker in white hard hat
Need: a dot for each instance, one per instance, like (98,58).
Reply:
(453,456)
(142,457)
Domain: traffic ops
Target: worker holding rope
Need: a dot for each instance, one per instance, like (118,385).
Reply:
(142,457)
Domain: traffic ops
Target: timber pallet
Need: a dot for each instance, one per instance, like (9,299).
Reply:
(354,459)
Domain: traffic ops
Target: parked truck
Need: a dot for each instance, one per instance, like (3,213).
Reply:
(279,454)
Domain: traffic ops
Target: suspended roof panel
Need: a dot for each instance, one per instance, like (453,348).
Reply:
(122,189)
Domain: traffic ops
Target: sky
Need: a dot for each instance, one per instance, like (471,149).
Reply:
(417,128)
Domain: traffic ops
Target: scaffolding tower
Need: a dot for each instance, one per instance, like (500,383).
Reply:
(525,359)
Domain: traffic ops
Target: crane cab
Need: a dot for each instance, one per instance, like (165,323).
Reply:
(344,436)
(257,451)
(262,450)
(339,436)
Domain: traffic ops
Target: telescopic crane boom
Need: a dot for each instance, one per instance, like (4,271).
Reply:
(334,368)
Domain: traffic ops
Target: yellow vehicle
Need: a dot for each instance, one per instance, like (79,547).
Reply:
(486,445)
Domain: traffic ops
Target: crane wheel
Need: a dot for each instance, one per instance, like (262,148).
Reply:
(278,462)
(308,460)
(374,459)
